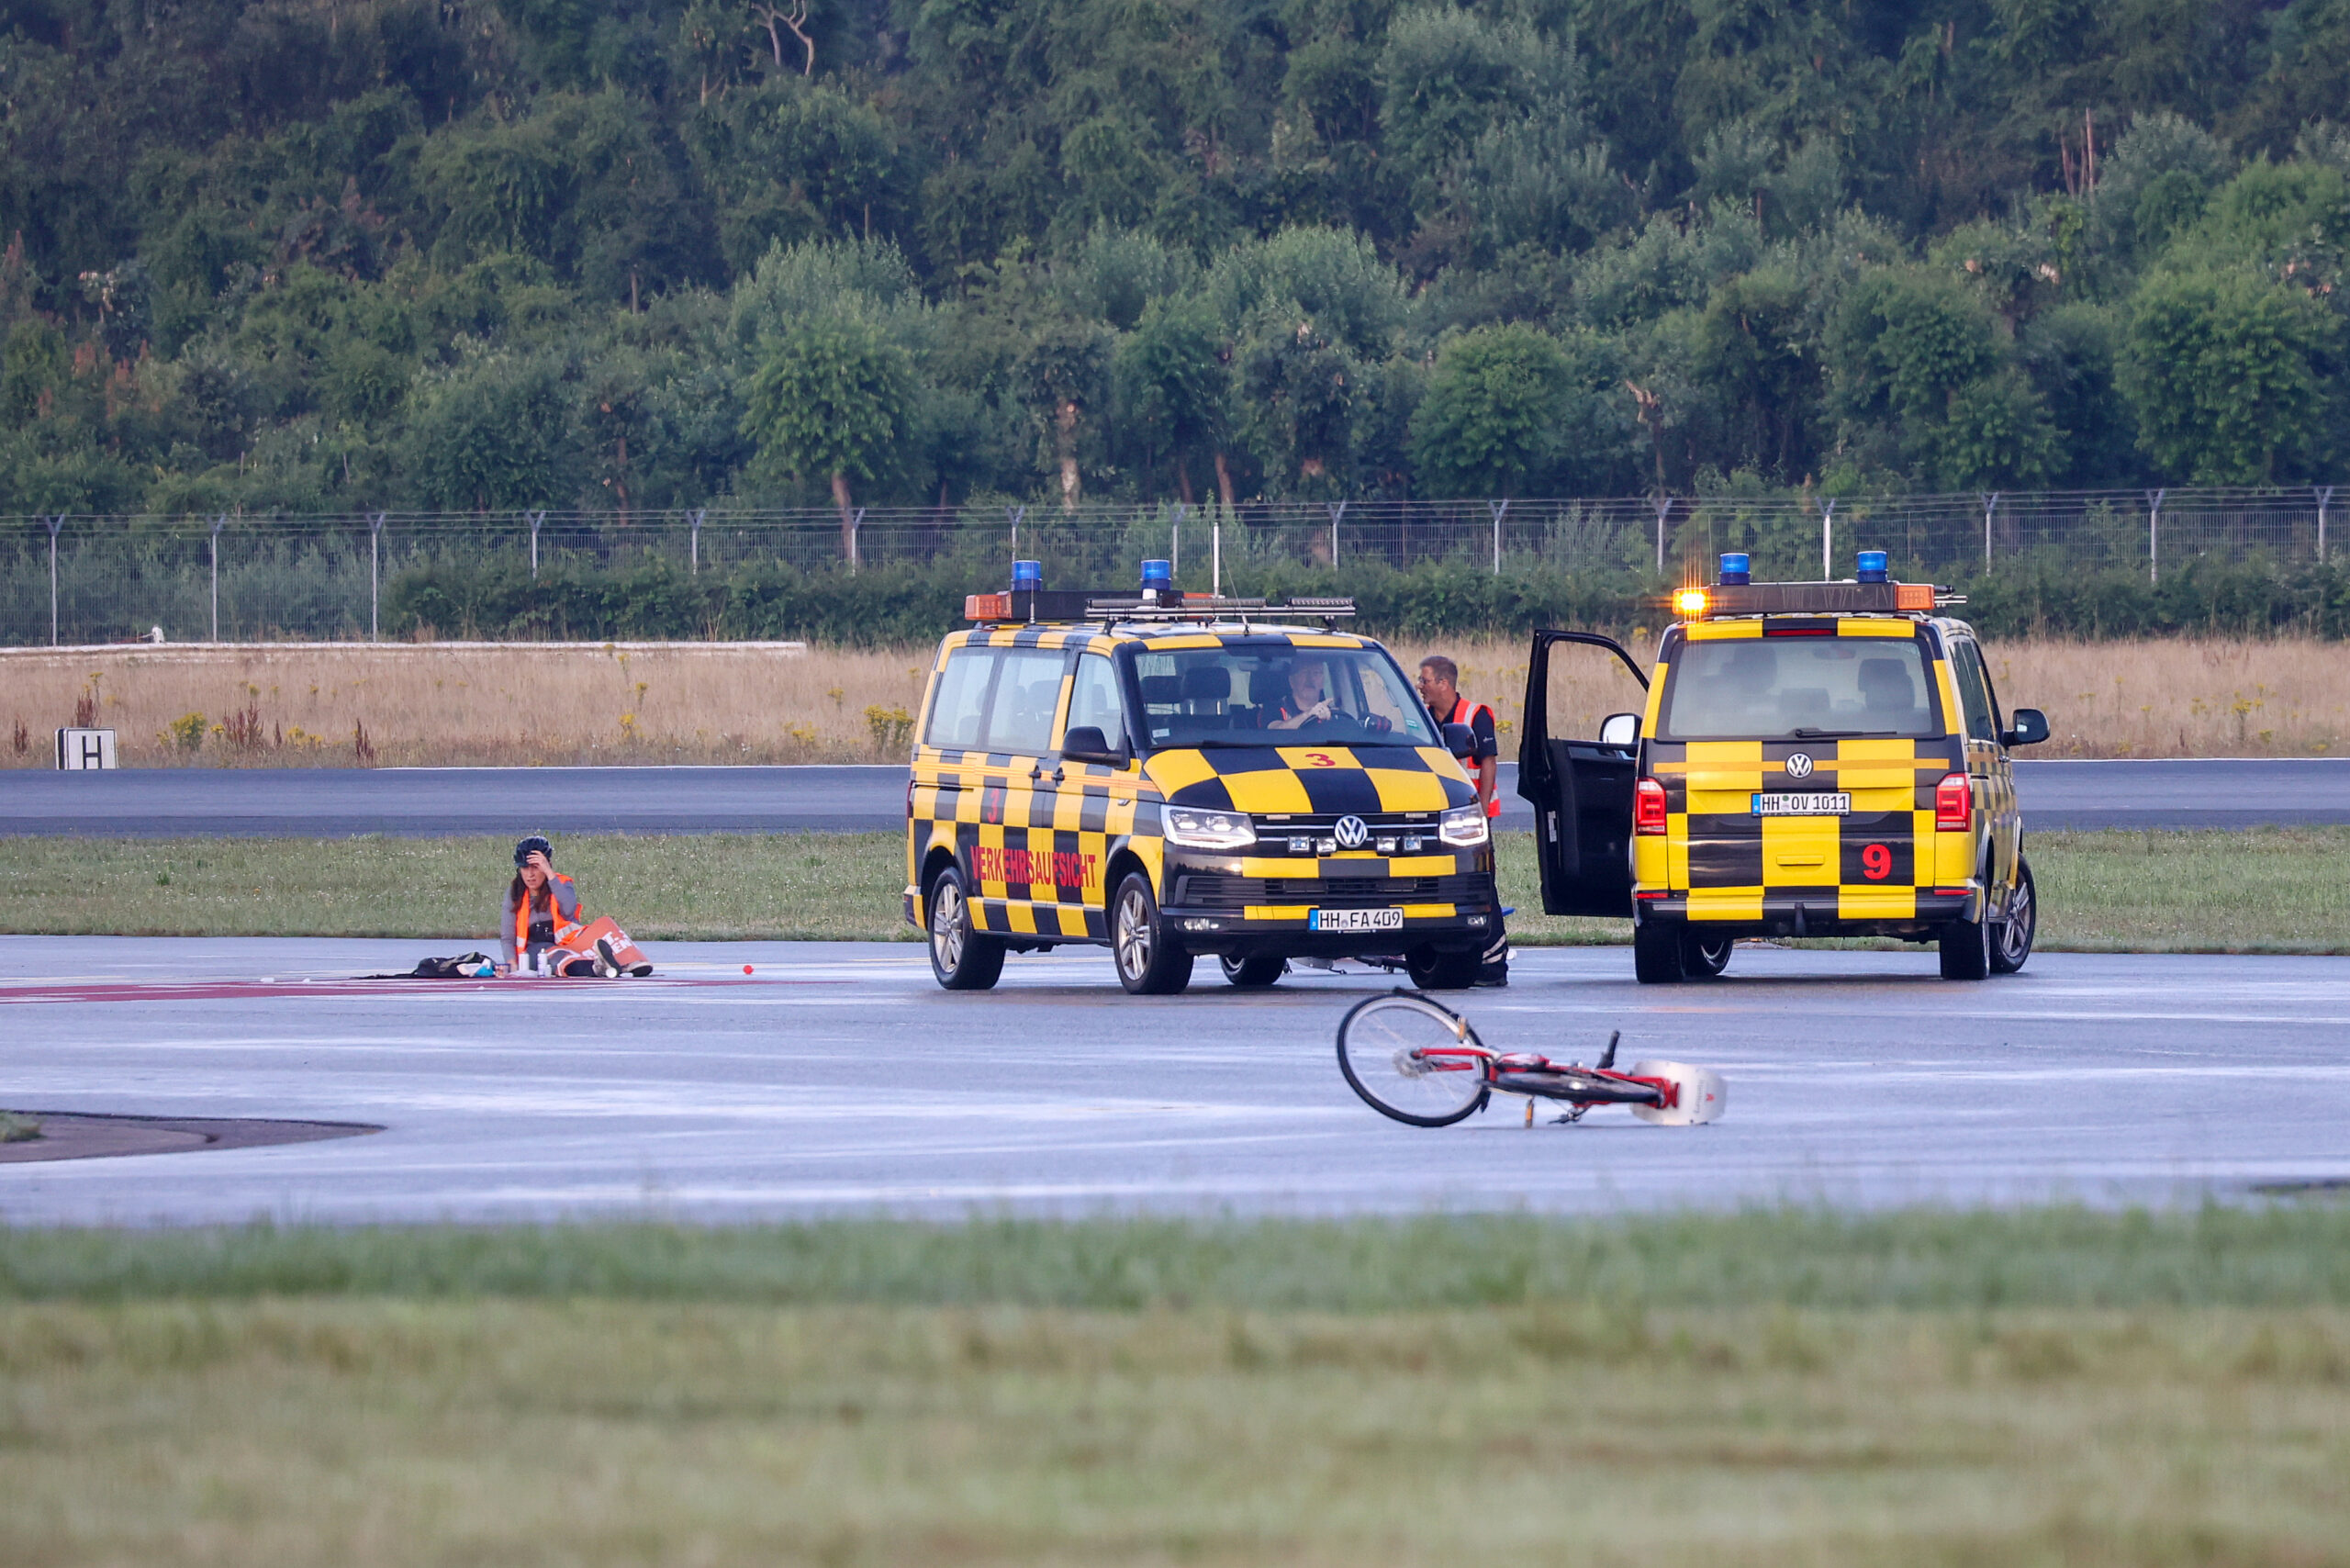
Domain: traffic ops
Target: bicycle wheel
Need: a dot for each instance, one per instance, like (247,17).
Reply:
(1410,1059)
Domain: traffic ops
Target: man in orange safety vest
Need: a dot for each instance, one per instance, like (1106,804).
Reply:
(1439,685)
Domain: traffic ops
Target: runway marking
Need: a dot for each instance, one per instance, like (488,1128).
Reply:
(236,989)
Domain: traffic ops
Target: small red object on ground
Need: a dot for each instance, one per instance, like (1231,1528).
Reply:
(746,968)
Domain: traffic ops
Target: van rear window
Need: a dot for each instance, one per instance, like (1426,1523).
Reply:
(1798,689)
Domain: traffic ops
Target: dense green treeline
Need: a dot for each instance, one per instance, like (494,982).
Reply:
(312,255)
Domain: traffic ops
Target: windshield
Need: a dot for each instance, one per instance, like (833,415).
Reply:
(1274,694)
(1797,689)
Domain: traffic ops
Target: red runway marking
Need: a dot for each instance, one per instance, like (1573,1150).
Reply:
(240,990)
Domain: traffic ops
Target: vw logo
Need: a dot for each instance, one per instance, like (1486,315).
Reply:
(1798,765)
(1351,833)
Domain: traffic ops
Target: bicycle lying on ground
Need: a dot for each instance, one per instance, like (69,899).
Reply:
(1412,1059)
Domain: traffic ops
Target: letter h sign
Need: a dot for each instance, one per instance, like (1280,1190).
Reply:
(85,749)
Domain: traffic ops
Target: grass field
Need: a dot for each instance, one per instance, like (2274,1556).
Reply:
(2048,1387)
(425,704)
(2274,889)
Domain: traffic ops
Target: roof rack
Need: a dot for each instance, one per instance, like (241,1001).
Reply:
(1063,605)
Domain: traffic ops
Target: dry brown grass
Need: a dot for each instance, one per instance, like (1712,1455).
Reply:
(293,705)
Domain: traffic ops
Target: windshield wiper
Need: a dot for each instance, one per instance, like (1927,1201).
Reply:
(1808,734)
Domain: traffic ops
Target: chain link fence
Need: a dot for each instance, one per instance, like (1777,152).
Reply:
(83,580)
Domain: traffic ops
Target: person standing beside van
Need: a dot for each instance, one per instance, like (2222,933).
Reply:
(1439,684)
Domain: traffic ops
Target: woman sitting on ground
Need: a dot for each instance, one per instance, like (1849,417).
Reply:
(542,923)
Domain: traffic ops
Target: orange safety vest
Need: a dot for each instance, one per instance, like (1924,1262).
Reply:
(560,927)
(1465,712)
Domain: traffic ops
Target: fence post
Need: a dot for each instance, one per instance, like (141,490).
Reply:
(2325,497)
(536,518)
(374,555)
(855,521)
(1215,556)
(1015,514)
(1337,511)
(1990,505)
(1827,540)
(1175,545)
(1497,509)
(216,524)
(695,570)
(59,521)
(1664,510)
(2153,536)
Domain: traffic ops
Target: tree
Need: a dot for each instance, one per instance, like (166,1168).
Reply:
(2226,372)
(830,399)
(1495,412)
(1174,387)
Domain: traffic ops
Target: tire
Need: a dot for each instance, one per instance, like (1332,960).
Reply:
(1656,954)
(1704,957)
(962,959)
(1149,961)
(2011,943)
(1966,948)
(1432,970)
(1253,972)
(1379,1043)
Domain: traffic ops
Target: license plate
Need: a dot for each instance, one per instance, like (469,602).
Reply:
(1354,920)
(1838,804)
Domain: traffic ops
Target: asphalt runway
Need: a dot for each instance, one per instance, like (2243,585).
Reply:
(839,1079)
(330,803)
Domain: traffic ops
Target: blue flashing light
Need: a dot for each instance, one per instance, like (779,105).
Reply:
(1734,569)
(1027,576)
(1156,575)
(1872,566)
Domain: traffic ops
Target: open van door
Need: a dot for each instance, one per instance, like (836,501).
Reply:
(1576,763)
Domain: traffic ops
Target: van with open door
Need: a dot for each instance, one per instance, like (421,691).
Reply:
(1803,759)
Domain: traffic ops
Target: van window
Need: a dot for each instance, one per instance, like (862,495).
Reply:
(1797,688)
(1026,693)
(1974,692)
(1269,693)
(959,704)
(1094,699)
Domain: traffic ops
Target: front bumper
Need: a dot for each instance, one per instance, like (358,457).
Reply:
(1216,903)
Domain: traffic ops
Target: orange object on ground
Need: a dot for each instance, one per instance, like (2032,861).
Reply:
(582,939)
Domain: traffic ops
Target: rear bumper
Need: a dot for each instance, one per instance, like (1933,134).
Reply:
(1812,912)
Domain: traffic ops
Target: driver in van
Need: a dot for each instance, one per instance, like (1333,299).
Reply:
(1309,700)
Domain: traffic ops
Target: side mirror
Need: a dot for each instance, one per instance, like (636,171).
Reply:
(1460,740)
(1620,729)
(1088,744)
(2030,727)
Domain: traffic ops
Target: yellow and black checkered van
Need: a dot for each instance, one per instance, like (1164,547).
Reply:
(1175,779)
(1813,759)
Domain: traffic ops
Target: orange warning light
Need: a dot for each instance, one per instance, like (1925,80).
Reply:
(1690,601)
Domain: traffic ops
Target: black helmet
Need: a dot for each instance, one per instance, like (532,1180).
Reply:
(535,841)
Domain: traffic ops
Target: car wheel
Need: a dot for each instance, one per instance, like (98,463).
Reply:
(962,959)
(1704,957)
(1253,972)
(1432,970)
(1966,949)
(1656,954)
(1151,963)
(2011,944)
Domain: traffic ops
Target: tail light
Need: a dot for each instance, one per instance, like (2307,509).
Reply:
(1648,806)
(1953,804)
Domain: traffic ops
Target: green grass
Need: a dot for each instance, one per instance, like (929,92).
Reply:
(2055,1387)
(2272,889)
(2283,1256)
(15,1128)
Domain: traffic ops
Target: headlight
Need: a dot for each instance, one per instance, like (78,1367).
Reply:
(1464,826)
(1209,830)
